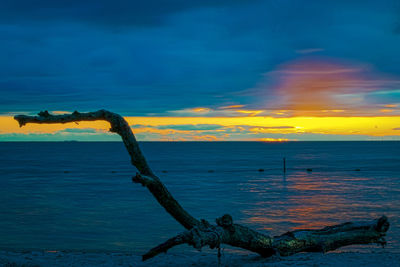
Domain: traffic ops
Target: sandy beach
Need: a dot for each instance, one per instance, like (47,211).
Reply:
(375,257)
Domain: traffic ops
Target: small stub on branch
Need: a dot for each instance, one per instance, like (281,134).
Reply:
(44,113)
(226,222)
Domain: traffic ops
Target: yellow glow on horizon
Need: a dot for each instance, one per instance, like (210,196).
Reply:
(371,126)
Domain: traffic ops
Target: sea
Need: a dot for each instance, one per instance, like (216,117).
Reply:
(79,195)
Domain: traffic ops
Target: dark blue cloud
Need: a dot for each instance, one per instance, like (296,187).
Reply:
(146,57)
(111,13)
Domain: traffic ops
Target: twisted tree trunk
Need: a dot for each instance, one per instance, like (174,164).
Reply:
(200,233)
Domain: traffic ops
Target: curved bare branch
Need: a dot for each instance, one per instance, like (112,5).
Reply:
(121,127)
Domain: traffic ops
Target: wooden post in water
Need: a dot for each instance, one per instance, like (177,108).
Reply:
(284,165)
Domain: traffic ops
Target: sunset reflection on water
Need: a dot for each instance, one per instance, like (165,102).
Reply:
(94,206)
(312,200)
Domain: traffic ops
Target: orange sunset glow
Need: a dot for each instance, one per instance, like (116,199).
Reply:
(252,128)
(304,99)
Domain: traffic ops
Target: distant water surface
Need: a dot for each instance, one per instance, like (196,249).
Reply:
(79,195)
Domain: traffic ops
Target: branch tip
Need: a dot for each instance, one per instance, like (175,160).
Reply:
(20,120)
(44,114)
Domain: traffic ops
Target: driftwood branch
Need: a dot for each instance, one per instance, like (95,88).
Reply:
(200,233)
(323,240)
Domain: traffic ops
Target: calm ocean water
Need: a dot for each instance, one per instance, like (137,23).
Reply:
(77,195)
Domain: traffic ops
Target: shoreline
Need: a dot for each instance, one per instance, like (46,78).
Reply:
(375,257)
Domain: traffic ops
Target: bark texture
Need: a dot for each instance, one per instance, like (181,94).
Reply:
(200,233)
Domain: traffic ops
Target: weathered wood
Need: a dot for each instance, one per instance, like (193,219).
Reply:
(323,240)
(201,233)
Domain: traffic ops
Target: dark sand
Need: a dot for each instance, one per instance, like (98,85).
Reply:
(375,257)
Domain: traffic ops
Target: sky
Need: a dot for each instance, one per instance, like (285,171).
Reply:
(203,70)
